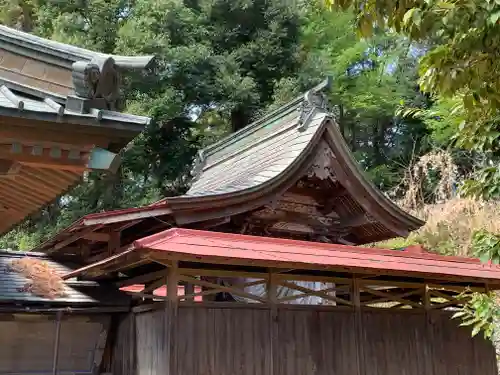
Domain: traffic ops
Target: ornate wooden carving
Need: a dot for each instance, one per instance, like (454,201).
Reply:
(312,99)
(321,167)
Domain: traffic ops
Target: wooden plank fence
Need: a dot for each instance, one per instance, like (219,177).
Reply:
(313,341)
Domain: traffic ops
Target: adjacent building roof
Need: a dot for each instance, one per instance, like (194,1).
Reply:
(289,174)
(59,115)
(77,293)
(57,53)
(204,247)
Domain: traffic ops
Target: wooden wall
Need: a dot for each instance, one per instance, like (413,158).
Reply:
(247,341)
(27,343)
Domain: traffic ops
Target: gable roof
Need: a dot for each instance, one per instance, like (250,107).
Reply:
(253,170)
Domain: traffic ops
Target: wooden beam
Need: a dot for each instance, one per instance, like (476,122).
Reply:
(78,160)
(318,293)
(272,298)
(53,137)
(45,157)
(222,288)
(152,286)
(97,236)
(114,242)
(389,297)
(132,216)
(73,238)
(141,279)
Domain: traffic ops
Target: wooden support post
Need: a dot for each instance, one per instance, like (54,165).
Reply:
(358,324)
(171,319)
(189,289)
(55,359)
(356,294)
(272,298)
(114,243)
(427,298)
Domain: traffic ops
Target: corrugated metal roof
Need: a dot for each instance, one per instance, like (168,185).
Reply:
(276,251)
(235,249)
(77,293)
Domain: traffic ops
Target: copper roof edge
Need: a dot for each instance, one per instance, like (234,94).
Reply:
(60,53)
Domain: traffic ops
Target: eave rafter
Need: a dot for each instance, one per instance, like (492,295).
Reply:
(76,160)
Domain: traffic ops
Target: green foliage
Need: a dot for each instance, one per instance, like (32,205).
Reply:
(486,246)
(460,64)
(371,77)
(480,312)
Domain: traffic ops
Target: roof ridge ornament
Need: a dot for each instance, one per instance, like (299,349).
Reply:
(198,164)
(96,84)
(314,98)
(306,103)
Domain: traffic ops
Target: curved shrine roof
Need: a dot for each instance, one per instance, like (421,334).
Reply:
(289,174)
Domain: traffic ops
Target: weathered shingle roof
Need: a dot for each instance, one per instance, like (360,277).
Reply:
(258,157)
(77,293)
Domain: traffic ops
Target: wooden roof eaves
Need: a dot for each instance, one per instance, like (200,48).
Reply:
(76,182)
(235,249)
(60,54)
(120,123)
(188,209)
(404,221)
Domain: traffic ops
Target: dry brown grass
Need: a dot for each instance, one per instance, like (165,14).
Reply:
(44,281)
(450,226)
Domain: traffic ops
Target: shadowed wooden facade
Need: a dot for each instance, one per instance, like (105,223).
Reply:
(64,334)
(316,340)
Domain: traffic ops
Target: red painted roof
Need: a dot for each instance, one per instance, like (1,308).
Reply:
(161,291)
(213,247)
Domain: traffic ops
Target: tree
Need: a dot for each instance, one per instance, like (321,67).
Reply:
(460,67)
(371,77)
(460,64)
